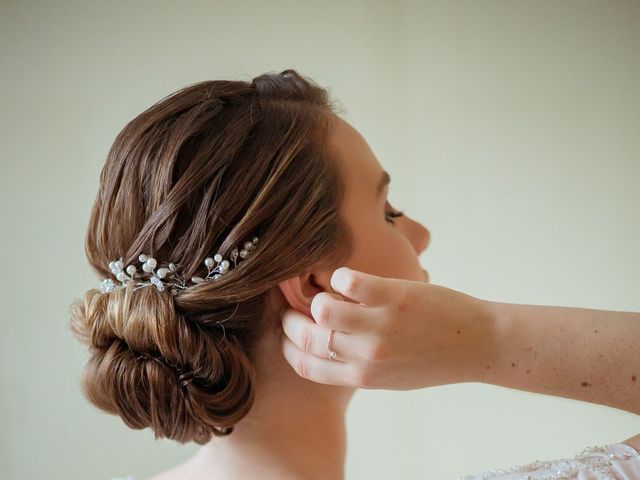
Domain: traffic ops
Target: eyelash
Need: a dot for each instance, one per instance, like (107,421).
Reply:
(394,214)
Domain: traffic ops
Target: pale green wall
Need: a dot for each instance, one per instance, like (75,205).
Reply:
(510,128)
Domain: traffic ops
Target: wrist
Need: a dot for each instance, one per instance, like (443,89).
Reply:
(496,326)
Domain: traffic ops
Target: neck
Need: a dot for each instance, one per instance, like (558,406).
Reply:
(295,429)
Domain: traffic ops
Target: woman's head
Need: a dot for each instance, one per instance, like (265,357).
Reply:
(383,241)
(200,172)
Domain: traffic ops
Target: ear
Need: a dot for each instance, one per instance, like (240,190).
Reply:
(299,292)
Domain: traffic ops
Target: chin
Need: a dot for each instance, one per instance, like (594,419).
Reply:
(425,275)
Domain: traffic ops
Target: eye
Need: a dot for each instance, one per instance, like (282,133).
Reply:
(393,214)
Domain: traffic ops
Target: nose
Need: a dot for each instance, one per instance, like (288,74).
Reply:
(420,236)
(424,238)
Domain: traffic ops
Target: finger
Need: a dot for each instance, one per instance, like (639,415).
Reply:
(362,287)
(330,310)
(313,339)
(321,370)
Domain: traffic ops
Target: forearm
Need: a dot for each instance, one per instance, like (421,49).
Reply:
(578,353)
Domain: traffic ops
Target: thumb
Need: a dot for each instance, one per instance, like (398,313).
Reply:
(363,287)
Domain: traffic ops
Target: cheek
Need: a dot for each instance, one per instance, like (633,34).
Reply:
(386,252)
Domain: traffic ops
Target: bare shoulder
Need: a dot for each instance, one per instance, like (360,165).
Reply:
(633,442)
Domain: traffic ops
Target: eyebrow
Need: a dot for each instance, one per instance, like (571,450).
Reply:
(384,181)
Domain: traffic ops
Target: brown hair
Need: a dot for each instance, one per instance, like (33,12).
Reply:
(200,172)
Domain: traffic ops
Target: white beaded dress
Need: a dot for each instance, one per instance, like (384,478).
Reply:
(616,461)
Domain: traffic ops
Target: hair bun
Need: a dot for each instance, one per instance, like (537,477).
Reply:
(153,368)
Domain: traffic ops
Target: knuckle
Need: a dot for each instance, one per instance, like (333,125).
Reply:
(351,285)
(361,378)
(320,308)
(406,301)
(375,353)
(306,340)
(322,313)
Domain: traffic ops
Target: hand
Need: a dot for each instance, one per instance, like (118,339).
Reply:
(389,334)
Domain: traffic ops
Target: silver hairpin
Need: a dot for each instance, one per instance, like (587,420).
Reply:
(162,276)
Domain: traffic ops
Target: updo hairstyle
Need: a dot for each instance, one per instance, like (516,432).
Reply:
(202,171)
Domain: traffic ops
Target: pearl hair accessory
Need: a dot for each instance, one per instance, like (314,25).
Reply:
(161,276)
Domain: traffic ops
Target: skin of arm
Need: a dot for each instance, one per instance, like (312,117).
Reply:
(633,442)
(577,353)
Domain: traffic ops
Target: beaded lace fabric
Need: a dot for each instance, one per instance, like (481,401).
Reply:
(616,461)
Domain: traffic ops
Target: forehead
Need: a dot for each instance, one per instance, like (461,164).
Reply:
(360,167)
